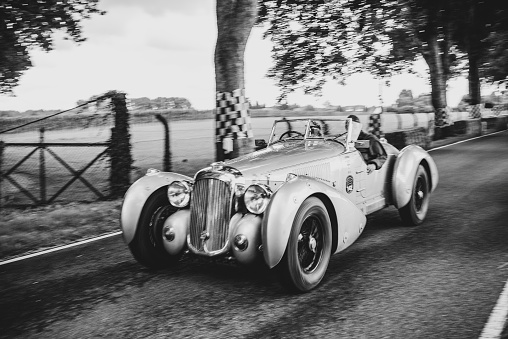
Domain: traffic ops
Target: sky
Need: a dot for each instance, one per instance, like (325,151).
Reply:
(165,48)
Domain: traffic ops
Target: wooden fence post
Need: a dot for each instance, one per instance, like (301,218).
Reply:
(166,165)
(2,147)
(42,166)
(120,147)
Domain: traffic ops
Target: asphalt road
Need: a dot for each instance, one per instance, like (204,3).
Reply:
(439,280)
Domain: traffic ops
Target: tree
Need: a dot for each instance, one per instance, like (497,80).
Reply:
(235,19)
(145,103)
(180,103)
(320,40)
(27,24)
(405,98)
(494,64)
(141,103)
(481,31)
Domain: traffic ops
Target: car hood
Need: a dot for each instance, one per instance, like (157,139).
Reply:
(283,157)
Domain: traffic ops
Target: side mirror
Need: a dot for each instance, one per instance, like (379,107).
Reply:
(260,144)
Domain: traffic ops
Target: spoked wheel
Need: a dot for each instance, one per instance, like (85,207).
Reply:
(147,247)
(415,211)
(309,247)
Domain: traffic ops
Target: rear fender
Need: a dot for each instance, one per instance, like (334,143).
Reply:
(136,197)
(404,171)
(282,209)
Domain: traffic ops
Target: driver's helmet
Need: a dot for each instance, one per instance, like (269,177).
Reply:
(315,131)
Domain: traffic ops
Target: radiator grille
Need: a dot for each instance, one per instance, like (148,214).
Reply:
(210,215)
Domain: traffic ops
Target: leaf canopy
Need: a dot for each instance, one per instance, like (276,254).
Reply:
(27,24)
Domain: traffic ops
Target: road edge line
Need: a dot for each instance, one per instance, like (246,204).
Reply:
(499,315)
(497,319)
(465,140)
(59,248)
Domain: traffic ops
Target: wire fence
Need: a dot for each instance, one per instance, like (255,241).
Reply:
(54,159)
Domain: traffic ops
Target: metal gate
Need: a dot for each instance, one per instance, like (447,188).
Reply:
(43,173)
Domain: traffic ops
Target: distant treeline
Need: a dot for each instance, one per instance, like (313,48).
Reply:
(29,113)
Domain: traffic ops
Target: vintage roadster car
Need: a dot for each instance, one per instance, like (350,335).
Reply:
(291,205)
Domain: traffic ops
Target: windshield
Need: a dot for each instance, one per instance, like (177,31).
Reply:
(300,129)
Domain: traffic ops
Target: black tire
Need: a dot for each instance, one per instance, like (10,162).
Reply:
(147,247)
(415,211)
(309,246)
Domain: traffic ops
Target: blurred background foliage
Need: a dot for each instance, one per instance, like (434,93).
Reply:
(29,24)
(318,40)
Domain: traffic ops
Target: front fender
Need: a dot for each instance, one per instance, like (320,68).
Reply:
(404,171)
(138,194)
(282,209)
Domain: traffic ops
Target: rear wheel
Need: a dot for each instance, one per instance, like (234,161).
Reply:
(415,211)
(147,247)
(309,247)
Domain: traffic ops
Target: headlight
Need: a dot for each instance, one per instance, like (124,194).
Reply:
(256,198)
(179,193)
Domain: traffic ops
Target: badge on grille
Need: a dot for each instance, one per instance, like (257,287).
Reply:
(205,235)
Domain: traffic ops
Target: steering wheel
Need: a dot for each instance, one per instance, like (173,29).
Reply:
(290,134)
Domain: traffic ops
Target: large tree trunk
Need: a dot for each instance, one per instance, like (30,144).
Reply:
(437,81)
(235,19)
(474,79)
(473,53)
(435,54)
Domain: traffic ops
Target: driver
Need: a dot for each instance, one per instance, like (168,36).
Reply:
(376,155)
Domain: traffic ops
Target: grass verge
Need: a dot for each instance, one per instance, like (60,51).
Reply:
(33,229)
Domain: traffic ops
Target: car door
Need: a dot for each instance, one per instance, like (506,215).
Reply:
(352,176)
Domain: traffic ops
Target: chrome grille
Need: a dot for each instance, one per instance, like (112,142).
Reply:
(210,214)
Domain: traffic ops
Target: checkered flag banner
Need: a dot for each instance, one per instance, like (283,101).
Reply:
(231,117)
(442,117)
(475,111)
(497,110)
(375,124)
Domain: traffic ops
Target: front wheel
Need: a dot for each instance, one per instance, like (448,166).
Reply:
(147,247)
(415,211)
(309,247)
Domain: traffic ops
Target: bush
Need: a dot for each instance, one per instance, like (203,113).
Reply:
(4,114)
(406,109)
(426,109)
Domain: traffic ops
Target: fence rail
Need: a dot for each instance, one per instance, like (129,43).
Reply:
(44,179)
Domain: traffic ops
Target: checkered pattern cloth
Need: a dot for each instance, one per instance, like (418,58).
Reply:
(475,111)
(442,117)
(231,118)
(498,109)
(375,125)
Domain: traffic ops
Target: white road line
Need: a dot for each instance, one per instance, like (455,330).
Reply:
(495,325)
(460,142)
(59,248)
